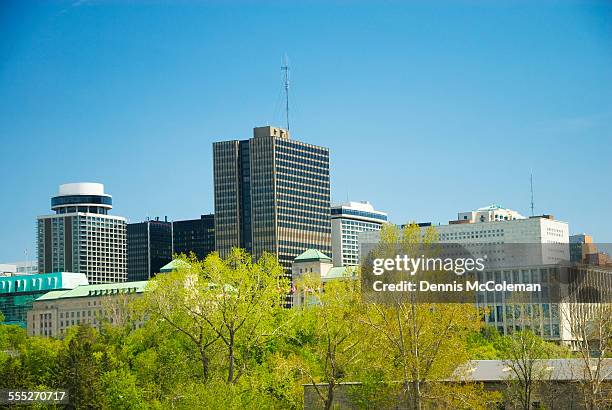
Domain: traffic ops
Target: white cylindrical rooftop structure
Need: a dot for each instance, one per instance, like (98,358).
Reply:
(81,188)
(82,197)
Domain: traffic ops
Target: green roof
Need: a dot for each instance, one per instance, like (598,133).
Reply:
(96,290)
(173,265)
(339,272)
(312,255)
(42,283)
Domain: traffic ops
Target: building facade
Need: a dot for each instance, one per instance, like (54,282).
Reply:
(317,265)
(518,250)
(17,293)
(20,268)
(149,247)
(347,221)
(81,236)
(194,235)
(272,193)
(56,311)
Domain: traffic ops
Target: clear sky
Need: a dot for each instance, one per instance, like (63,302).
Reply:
(428,110)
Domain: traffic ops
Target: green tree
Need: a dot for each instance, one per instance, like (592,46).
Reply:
(334,351)
(525,354)
(233,305)
(80,366)
(424,343)
(244,300)
(119,390)
(178,299)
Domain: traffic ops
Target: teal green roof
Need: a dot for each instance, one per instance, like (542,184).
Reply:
(312,255)
(339,272)
(173,265)
(96,290)
(41,282)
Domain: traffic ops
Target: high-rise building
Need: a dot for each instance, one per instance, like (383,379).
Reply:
(272,193)
(194,235)
(149,247)
(347,220)
(81,236)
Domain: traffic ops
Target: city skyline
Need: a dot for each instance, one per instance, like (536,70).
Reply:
(449,123)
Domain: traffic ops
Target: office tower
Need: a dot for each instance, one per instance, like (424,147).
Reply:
(272,194)
(149,247)
(194,235)
(81,236)
(18,293)
(347,221)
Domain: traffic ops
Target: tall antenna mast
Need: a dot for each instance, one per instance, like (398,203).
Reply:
(285,68)
(531,180)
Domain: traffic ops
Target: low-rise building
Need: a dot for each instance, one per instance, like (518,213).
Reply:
(17,293)
(558,384)
(315,263)
(56,311)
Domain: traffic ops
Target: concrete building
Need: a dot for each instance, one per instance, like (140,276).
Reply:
(7,269)
(19,268)
(149,247)
(81,236)
(491,213)
(56,311)
(17,293)
(317,264)
(494,224)
(194,235)
(272,193)
(518,250)
(347,221)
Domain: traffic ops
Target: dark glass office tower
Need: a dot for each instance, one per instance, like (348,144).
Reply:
(272,194)
(149,247)
(194,235)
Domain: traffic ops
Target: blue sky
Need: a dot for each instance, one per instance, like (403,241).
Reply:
(428,109)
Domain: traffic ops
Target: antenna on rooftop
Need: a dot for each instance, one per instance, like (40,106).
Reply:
(531,181)
(285,68)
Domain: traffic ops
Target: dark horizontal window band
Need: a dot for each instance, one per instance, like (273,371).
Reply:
(336,211)
(81,199)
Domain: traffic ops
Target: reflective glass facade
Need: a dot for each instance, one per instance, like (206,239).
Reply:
(149,247)
(17,293)
(194,235)
(272,194)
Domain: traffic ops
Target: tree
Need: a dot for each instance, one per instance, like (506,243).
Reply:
(119,390)
(79,366)
(336,335)
(526,354)
(244,301)
(178,299)
(591,328)
(234,303)
(424,342)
